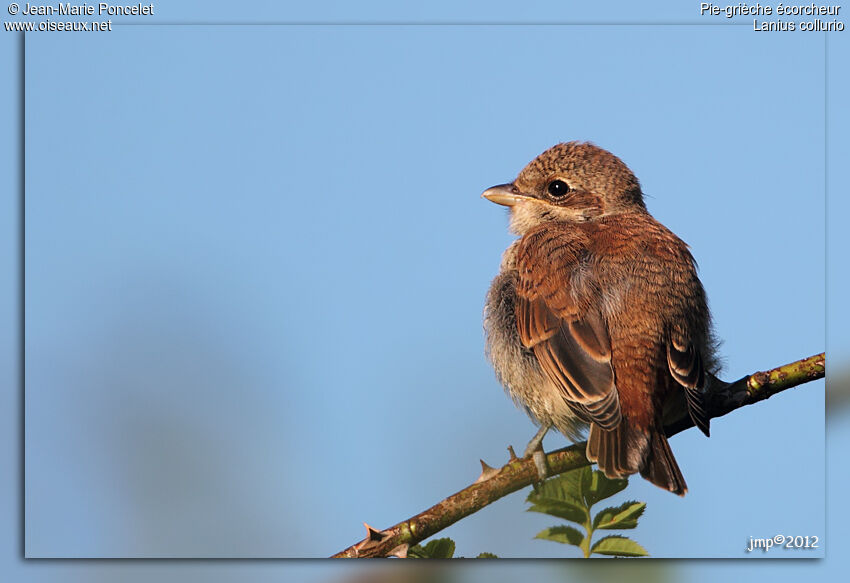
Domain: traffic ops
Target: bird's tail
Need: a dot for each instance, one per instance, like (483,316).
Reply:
(660,466)
(627,450)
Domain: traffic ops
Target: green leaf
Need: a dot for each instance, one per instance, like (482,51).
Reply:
(618,546)
(623,516)
(598,487)
(562,534)
(486,556)
(564,488)
(439,548)
(563,510)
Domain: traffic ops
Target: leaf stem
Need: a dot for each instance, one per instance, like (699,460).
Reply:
(588,528)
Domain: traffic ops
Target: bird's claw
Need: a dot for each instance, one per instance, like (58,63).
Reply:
(534,450)
(539,458)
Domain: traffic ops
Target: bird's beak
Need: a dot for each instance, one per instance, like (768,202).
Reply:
(505,194)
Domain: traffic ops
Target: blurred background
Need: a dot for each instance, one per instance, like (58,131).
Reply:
(256,260)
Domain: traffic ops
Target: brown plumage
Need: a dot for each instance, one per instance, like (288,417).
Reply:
(597,314)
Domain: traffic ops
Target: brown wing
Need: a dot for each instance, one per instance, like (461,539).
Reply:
(685,364)
(558,318)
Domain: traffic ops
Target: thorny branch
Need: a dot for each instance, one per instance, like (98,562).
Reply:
(494,483)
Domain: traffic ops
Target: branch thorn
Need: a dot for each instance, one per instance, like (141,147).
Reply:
(400,551)
(487,472)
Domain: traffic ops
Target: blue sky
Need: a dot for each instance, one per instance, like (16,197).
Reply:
(256,259)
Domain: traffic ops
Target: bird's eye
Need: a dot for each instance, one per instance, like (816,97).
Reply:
(558,188)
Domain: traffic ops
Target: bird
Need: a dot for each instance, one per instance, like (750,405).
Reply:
(597,320)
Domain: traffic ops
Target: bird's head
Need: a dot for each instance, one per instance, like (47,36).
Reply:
(570,182)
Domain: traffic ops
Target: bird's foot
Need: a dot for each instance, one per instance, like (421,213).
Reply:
(539,458)
(535,451)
